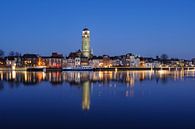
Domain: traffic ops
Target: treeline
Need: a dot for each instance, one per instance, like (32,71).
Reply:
(11,53)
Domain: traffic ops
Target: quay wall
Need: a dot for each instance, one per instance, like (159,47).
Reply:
(98,69)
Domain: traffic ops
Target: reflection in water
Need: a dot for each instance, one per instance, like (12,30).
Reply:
(86,79)
(102,77)
(86,95)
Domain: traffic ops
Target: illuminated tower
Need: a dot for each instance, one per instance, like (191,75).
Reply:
(86,52)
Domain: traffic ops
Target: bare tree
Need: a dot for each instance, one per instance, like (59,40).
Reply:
(1,53)
(12,53)
(17,54)
(164,57)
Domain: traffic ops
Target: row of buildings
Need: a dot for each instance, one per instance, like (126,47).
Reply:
(85,57)
(75,59)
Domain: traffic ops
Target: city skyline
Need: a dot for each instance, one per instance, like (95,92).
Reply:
(87,51)
(97,64)
(145,28)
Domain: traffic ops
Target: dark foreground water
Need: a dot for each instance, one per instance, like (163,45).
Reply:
(102,100)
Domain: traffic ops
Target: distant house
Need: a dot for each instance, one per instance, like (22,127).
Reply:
(10,61)
(77,61)
(29,60)
(107,62)
(174,62)
(132,61)
(142,62)
(69,62)
(188,63)
(95,61)
(54,61)
(101,61)
(193,61)
(128,60)
(125,61)
(149,62)
(73,59)
(136,63)
(116,61)
(72,62)
(84,61)
(13,61)
(73,55)
(156,63)
(2,62)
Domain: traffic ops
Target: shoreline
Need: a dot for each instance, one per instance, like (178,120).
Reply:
(101,69)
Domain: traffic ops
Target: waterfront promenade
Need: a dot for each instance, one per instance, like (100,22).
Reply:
(99,69)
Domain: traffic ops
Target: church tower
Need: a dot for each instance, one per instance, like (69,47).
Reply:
(86,52)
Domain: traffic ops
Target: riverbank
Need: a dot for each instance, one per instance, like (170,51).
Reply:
(16,69)
(143,69)
(99,69)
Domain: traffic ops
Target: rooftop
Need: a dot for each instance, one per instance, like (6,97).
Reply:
(85,29)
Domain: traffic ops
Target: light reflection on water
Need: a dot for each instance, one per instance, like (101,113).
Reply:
(57,78)
(86,79)
(85,99)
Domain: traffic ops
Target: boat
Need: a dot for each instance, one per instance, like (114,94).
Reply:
(78,68)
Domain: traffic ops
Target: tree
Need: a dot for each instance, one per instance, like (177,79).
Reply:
(1,53)
(12,53)
(17,54)
(164,57)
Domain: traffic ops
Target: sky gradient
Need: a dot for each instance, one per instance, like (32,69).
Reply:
(147,28)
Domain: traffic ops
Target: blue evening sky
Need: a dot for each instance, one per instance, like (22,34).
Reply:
(144,27)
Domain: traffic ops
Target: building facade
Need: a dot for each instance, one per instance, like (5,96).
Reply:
(53,61)
(29,60)
(193,61)
(86,50)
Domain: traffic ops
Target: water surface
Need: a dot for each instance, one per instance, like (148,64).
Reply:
(123,100)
